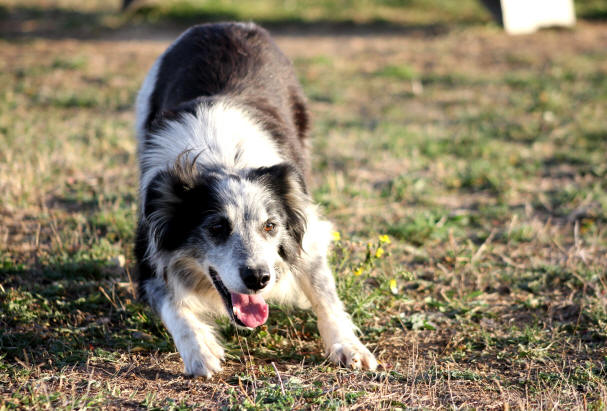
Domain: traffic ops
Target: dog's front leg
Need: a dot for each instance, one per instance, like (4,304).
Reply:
(199,349)
(334,324)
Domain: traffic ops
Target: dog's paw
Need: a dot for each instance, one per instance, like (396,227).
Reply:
(202,360)
(353,355)
(203,366)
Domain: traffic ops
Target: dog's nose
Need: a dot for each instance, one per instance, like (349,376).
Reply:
(255,278)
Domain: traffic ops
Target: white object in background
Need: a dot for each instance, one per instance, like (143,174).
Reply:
(526,16)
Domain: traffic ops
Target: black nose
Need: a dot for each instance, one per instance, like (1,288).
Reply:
(255,278)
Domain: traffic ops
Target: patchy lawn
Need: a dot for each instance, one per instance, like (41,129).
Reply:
(482,157)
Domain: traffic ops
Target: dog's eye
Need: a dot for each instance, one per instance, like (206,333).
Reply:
(219,228)
(269,227)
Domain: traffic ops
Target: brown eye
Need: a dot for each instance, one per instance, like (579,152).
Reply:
(269,227)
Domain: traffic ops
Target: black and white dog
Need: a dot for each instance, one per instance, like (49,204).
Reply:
(225,219)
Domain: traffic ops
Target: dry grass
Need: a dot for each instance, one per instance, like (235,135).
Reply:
(481,155)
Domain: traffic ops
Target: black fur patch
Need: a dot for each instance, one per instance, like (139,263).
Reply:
(300,113)
(287,186)
(177,203)
(174,113)
(144,270)
(220,229)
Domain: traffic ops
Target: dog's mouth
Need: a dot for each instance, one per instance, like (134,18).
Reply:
(247,310)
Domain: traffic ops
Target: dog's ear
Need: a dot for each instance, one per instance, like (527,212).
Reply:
(176,202)
(288,186)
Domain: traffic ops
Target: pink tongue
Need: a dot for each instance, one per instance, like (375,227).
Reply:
(251,309)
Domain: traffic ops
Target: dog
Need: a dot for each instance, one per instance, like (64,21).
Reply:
(225,220)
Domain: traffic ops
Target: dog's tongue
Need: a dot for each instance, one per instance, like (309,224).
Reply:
(251,309)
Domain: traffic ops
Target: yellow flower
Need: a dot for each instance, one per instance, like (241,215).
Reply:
(384,239)
(358,271)
(380,251)
(393,287)
(336,236)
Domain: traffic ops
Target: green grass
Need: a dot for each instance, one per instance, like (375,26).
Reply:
(341,11)
(90,19)
(481,156)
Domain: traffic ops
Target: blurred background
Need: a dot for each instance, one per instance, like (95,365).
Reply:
(44,17)
(465,170)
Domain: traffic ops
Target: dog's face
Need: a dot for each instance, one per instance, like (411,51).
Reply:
(237,227)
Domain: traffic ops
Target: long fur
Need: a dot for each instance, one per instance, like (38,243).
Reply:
(224,206)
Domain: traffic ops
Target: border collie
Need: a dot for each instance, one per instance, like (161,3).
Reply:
(225,219)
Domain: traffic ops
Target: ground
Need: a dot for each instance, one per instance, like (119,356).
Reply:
(465,172)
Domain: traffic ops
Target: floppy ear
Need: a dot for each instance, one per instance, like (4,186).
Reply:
(175,204)
(288,185)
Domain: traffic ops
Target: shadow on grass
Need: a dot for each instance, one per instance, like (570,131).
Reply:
(293,24)
(140,371)
(592,10)
(84,312)
(53,22)
(66,314)
(57,23)
(22,22)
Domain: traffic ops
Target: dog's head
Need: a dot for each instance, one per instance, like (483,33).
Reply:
(237,226)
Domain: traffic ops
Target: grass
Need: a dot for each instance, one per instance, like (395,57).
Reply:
(481,156)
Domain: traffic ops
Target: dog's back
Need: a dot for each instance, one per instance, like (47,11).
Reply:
(235,62)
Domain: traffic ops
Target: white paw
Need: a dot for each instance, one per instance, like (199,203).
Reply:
(201,358)
(353,355)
